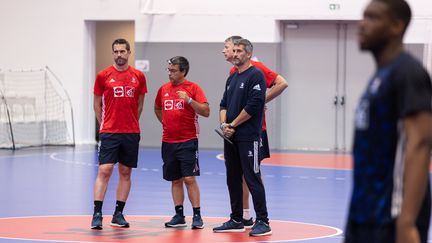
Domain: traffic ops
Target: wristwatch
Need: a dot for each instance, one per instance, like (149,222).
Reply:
(222,125)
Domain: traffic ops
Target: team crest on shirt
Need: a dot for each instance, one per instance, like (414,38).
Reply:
(177,104)
(118,91)
(133,80)
(241,85)
(130,91)
(374,86)
(361,118)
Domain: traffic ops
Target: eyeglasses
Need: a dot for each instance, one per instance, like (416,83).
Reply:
(170,70)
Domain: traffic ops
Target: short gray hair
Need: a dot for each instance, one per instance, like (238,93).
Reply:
(246,43)
(233,38)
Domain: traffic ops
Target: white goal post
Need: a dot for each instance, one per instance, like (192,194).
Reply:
(35,110)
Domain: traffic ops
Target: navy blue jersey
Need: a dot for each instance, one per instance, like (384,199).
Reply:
(246,91)
(397,90)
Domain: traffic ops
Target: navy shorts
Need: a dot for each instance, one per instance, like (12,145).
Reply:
(180,160)
(264,146)
(119,147)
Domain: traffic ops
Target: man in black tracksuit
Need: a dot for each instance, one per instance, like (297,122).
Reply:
(241,112)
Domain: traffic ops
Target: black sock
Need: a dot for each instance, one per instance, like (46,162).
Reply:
(179,210)
(119,206)
(98,206)
(197,211)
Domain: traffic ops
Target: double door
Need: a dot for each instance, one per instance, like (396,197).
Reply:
(327,74)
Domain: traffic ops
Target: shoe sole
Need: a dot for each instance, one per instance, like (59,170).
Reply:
(96,227)
(230,230)
(248,226)
(175,225)
(263,234)
(197,226)
(120,225)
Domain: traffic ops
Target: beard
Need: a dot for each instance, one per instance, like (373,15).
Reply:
(238,62)
(120,61)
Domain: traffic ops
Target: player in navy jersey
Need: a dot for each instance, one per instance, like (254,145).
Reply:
(393,136)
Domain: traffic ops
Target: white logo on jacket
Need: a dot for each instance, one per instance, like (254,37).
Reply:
(257,87)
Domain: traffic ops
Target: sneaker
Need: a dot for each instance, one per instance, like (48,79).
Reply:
(230,226)
(197,222)
(176,222)
(248,223)
(260,229)
(97,221)
(118,220)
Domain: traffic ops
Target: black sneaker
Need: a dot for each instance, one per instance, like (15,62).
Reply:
(260,229)
(230,226)
(118,220)
(176,221)
(248,223)
(197,222)
(97,221)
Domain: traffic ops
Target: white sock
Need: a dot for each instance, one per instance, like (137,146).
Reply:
(246,213)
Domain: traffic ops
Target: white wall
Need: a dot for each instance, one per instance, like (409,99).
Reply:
(214,20)
(54,33)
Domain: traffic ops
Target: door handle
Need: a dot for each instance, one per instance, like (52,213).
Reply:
(342,100)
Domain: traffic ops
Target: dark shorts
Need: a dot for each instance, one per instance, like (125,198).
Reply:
(264,146)
(119,147)
(180,160)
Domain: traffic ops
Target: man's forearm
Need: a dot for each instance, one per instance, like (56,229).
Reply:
(280,84)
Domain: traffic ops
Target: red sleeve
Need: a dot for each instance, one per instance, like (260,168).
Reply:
(158,100)
(269,74)
(199,95)
(99,84)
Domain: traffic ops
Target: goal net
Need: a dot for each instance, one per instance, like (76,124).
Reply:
(35,110)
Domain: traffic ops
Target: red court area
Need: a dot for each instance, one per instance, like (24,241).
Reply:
(148,229)
(313,161)
(318,161)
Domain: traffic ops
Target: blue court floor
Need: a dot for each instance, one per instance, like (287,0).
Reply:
(55,181)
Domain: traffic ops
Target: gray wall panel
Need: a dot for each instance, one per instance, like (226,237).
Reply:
(209,69)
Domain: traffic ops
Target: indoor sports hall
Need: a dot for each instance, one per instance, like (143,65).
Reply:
(52,51)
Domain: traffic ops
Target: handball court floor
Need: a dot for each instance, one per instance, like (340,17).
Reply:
(46,195)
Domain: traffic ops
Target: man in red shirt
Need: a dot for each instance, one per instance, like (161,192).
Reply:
(177,106)
(118,102)
(276,84)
